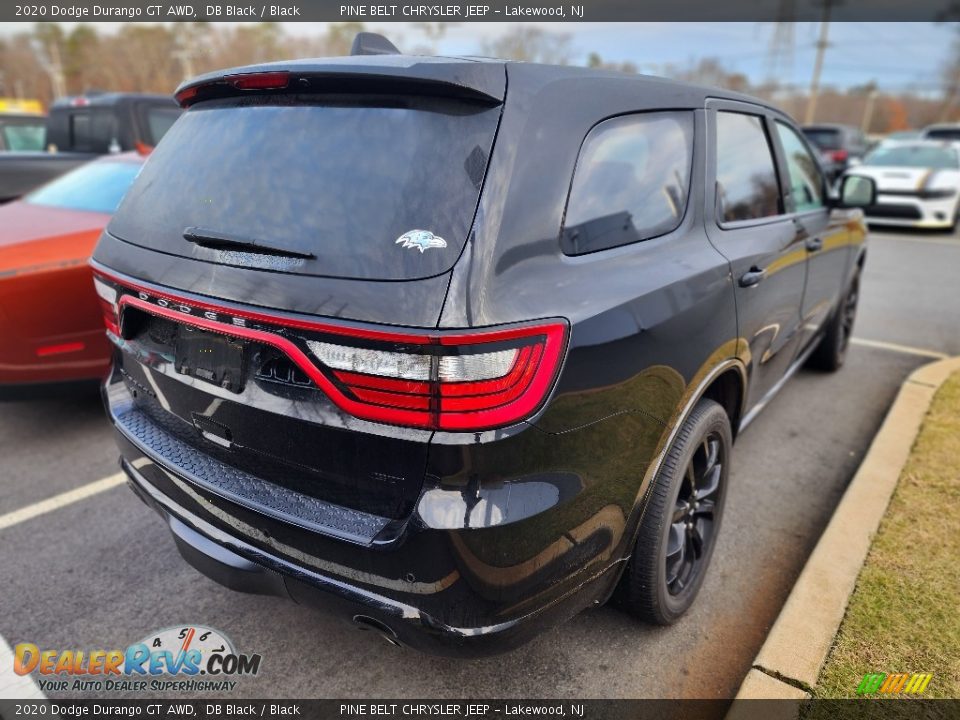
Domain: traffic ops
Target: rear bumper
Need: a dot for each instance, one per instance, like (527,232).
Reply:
(446,582)
(240,566)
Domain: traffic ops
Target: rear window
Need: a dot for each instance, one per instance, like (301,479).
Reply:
(96,186)
(343,185)
(22,135)
(824,138)
(631,182)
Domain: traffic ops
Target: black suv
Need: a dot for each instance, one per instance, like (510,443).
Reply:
(458,348)
(840,146)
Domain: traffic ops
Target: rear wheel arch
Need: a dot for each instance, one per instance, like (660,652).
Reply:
(728,389)
(727,381)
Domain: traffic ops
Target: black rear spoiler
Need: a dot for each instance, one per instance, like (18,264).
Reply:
(483,82)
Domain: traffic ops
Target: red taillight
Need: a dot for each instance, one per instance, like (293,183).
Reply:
(839,155)
(107,295)
(457,382)
(260,81)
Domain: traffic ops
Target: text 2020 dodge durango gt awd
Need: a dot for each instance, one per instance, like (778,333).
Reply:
(458,348)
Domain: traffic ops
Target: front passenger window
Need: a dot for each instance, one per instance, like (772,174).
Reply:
(747,186)
(806,183)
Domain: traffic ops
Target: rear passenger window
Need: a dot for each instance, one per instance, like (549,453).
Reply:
(631,182)
(747,187)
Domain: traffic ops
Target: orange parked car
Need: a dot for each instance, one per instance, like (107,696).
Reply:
(50,317)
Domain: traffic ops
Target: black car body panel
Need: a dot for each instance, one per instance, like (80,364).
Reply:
(23,171)
(463,541)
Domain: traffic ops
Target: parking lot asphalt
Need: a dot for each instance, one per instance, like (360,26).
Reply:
(103,572)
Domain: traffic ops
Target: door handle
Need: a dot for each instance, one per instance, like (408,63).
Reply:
(814,244)
(752,277)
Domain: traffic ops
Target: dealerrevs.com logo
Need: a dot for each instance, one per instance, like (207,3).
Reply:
(183,659)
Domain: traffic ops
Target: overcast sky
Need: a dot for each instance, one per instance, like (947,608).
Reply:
(895,55)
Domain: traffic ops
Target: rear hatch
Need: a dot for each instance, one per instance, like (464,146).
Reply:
(293,207)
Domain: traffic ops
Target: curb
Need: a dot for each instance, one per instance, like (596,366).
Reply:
(789,662)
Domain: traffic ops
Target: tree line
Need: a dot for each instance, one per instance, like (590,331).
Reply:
(49,61)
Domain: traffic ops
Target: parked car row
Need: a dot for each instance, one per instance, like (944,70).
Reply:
(77,130)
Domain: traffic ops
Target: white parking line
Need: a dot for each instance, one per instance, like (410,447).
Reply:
(894,347)
(62,500)
(13,686)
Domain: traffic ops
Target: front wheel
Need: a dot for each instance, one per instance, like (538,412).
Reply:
(832,350)
(680,522)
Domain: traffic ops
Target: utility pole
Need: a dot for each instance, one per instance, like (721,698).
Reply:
(818,64)
(868,110)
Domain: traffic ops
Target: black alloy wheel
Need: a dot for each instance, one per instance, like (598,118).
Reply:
(681,519)
(692,527)
(831,353)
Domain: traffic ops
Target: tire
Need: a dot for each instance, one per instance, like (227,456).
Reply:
(832,349)
(658,584)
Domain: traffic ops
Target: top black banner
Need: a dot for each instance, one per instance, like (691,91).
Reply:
(485,11)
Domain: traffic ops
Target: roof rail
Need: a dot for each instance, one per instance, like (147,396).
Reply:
(368,43)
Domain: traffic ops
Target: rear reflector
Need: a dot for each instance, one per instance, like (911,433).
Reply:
(453,380)
(60,349)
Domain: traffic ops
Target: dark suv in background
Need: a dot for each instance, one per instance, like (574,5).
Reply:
(81,128)
(840,147)
(458,348)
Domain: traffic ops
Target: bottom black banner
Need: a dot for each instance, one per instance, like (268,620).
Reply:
(486,709)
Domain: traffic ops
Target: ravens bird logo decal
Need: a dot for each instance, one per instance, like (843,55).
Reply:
(421,239)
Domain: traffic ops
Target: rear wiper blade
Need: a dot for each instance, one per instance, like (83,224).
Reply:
(219,241)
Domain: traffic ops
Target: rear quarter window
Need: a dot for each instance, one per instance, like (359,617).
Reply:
(631,182)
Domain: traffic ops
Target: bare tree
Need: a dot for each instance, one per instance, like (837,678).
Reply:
(531,44)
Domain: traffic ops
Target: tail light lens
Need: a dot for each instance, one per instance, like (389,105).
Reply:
(457,382)
(107,295)
(838,155)
(460,381)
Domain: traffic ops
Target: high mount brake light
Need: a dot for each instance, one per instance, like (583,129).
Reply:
(244,81)
(259,81)
(461,381)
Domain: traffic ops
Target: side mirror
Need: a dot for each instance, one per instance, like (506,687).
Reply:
(857,191)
